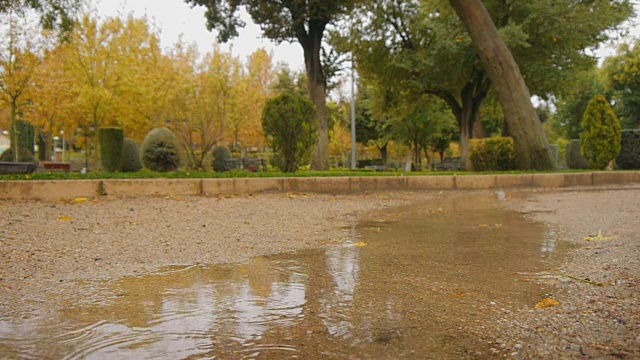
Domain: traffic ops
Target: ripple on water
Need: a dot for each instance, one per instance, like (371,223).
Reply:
(420,286)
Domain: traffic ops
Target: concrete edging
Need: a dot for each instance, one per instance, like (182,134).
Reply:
(69,189)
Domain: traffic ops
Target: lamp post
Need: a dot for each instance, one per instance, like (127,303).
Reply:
(63,145)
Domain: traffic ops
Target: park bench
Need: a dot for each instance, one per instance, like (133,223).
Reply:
(376,168)
(56,166)
(232,164)
(16,168)
(452,164)
(254,165)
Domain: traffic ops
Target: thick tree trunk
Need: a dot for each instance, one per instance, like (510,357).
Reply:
(478,129)
(313,64)
(522,120)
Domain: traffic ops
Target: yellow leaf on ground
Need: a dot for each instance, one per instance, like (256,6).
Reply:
(460,295)
(79,200)
(599,237)
(547,303)
(361,244)
(65,218)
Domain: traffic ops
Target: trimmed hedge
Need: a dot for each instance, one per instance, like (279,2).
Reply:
(111,141)
(26,135)
(629,158)
(493,154)
(24,155)
(131,156)
(160,151)
(220,154)
(574,157)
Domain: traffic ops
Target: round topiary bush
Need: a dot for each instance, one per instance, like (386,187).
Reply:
(131,156)
(220,154)
(111,141)
(601,133)
(159,151)
(24,155)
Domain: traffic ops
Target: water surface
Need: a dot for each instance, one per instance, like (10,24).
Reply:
(417,282)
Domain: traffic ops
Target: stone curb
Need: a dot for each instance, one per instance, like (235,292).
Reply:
(69,189)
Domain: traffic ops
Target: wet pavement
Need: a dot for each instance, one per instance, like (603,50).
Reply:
(422,281)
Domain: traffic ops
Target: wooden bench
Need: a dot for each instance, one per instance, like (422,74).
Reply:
(254,165)
(56,167)
(16,168)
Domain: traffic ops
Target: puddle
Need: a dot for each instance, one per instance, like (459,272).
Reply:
(421,283)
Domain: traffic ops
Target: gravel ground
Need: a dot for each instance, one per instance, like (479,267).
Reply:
(44,247)
(592,322)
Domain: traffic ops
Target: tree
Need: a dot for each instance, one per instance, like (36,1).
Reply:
(304,21)
(53,13)
(369,128)
(571,107)
(289,120)
(422,47)
(18,62)
(601,133)
(623,75)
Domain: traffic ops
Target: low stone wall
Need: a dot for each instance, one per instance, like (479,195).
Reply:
(70,189)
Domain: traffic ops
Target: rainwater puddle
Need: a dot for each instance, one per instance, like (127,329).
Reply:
(422,283)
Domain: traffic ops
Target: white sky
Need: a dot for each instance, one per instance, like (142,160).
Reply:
(175,18)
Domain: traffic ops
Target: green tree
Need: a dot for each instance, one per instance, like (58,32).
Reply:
(423,47)
(571,107)
(304,21)
(371,129)
(601,133)
(53,13)
(623,75)
(289,120)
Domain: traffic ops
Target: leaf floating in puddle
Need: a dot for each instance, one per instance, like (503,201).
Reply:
(65,218)
(547,303)
(599,237)
(361,244)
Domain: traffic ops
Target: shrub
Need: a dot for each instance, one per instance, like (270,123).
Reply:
(289,121)
(493,154)
(131,156)
(26,135)
(159,151)
(629,158)
(573,156)
(111,141)
(24,155)
(220,154)
(554,150)
(601,133)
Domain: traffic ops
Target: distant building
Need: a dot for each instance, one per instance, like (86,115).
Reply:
(4,141)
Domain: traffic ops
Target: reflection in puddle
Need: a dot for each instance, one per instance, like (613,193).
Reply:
(424,286)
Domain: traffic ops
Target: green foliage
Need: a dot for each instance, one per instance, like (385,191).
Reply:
(571,108)
(54,14)
(159,151)
(555,149)
(573,155)
(623,74)
(131,156)
(601,133)
(629,158)
(220,154)
(111,140)
(26,135)
(289,121)
(290,82)
(24,155)
(493,154)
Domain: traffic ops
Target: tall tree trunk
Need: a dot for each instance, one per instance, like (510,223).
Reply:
(522,120)
(311,45)
(384,154)
(478,129)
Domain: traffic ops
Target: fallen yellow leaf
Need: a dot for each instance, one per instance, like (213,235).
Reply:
(547,303)
(460,295)
(79,200)
(361,244)
(599,237)
(65,218)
